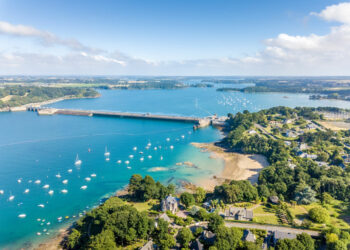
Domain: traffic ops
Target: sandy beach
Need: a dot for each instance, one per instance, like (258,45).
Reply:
(53,243)
(237,166)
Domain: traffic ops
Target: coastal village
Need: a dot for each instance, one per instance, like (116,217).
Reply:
(242,214)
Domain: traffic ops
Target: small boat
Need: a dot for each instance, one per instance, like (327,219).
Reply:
(171,147)
(119,161)
(65,181)
(59,218)
(46,186)
(22,216)
(11,198)
(106,152)
(70,170)
(49,223)
(19,180)
(51,192)
(89,150)
(161,158)
(37,181)
(2,191)
(135,148)
(155,148)
(83,187)
(141,159)
(127,162)
(38,219)
(93,175)
(128,167)
(77,161)
(168,139)
(182,136)
(141,153)
(38,233)
(64,191)
(149,144)
(88,179)
(131,156)
(107,159)
(41,205)
(26,191)
(150,157)
(58,176)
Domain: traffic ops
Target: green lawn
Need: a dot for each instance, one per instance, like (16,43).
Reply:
(144,206)
(264,214)
(337,211)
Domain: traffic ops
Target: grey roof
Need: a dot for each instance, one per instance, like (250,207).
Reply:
(274,199)
(147,246)
(233,211)
(197,245)
(283,235)
(248,236)
(171,199)
(165,217)
(208,235)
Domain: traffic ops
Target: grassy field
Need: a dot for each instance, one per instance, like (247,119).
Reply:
(145,206)
(264,214)
(338,212)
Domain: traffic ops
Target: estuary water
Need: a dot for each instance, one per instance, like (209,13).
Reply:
(43,189)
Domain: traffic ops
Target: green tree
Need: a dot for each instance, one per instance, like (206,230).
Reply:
(161,235)
(306,196)
(215,221)
(331,238)
(319,214)
(289,244)
(338,245)
(187,199)
(306,240)
(326,198)
(250,246)
(73,239)
(228,238)
(184,237)
(200,195)
(103,240)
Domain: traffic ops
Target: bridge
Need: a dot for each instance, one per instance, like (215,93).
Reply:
(197,121)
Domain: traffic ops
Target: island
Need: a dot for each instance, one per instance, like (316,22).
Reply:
(18,97)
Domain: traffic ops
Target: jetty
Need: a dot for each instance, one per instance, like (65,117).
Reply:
(199,122)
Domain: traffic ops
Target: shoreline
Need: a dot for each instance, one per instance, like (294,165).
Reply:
(38,104)
(236,166)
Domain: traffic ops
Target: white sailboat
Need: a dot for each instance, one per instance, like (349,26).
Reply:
(77,161)
(106,152)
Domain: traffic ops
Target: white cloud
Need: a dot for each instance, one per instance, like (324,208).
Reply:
(285,54)
(46,38)
(338,12)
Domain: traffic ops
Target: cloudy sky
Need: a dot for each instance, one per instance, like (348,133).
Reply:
(181,37)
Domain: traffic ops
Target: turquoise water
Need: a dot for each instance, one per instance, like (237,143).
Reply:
(40,147)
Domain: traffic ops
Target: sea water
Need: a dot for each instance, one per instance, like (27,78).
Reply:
(34,148)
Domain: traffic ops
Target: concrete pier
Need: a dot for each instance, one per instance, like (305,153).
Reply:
(198,121)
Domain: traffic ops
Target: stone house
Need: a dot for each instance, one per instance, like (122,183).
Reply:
(170,203)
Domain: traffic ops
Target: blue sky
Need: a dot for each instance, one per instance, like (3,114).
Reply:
(169,37)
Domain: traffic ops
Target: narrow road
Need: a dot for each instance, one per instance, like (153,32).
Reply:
(272,228)
(258,126)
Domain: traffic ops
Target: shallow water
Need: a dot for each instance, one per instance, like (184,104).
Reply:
(40,147)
